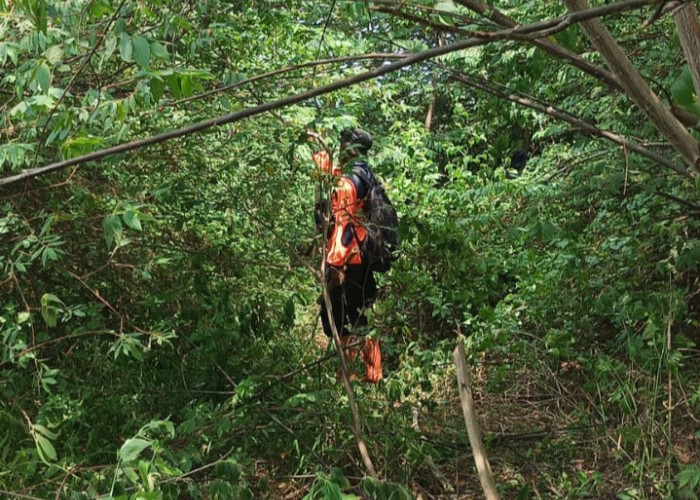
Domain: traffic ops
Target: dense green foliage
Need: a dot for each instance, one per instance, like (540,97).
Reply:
(158,317)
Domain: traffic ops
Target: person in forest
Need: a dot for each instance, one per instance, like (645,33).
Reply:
(350,281)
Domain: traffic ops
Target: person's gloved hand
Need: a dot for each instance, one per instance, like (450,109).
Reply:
(335,276)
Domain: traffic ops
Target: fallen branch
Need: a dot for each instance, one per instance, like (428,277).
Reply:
(465,394)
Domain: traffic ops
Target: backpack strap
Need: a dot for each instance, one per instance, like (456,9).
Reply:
(361,171)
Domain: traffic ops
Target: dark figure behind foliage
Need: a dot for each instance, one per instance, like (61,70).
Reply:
(518,160)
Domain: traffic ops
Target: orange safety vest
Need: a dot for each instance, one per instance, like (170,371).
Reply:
(348,215)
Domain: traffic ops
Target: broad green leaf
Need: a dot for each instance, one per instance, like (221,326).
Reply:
(50,315)
(100,9)
(77,146)
(689,477)
(187,86)
(8,50)
(132,448)
(131,219)
(142,52)
(112,229)
(131,475)
(159,51)
(50,306)
(43,77)
(110,46)
(46,450)
(689,259)
(40,18)
(338,478)
(173,81)
(157,85)
(683,91)
(125,47)
(44,431)
(54,54)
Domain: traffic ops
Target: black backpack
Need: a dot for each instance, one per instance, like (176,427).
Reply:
(381,245)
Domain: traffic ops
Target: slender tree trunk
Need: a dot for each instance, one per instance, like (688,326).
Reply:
(637,89)
(686,17)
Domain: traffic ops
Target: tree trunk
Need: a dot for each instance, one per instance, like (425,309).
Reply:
(686,18)
(637,89)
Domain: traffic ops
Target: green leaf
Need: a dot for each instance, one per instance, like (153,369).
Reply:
(48,254)
(46,450)
(112,229)
(142,52)
(50,306)
(338,478)
(689,477)
(683,91)
(132,448)
(8,50)
(43,77)
(689,259)
(44,431)
(50,316)
(187,86)
(157,85)
(173,81)
(77,146)
(131,219)
(100,9)
(40,18)
(131,475)
(331,491)
(54,54)
(125,47)
(159,51)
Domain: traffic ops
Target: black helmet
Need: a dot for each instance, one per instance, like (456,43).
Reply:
(356,139)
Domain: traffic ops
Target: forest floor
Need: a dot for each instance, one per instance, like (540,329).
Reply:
(547,435)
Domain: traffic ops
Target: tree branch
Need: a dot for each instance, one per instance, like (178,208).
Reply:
(548,46)
(286,69)
(526,32)
(552,111)
(638,90)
